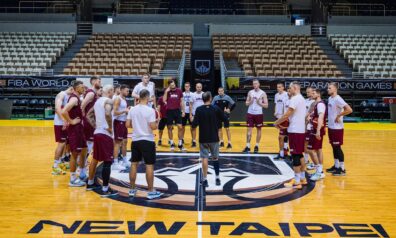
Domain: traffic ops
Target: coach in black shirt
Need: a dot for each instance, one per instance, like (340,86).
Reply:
(208,117)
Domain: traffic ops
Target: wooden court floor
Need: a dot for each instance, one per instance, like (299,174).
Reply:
(362,204)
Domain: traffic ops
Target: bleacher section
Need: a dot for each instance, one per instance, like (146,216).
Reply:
(371,55)
(29,53)
(127,54)
(276,55)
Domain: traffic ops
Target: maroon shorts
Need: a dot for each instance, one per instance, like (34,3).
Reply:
(76,137)
(314,143)
(336,136)
(283,132)
(103,148)
(60,135)
(296,143)
(88,130)
(120,130)
(307,136)
(254,120)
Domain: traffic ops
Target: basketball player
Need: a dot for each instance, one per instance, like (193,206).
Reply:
(60,129)
(187,97)
(317,122)
(72,114)
(117,90)
(226,105)
(161,107)
(87,103)
(308,106)
(281,104)
(196,101)
(120,113)
(337,109)
(101,118)
(256,100)
(296,133)
(142,119)
(208,117)
(173,99)
(148,85)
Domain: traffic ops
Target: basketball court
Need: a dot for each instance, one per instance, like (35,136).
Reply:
(249,203)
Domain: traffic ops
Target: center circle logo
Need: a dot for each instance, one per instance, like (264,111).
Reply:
(247,181)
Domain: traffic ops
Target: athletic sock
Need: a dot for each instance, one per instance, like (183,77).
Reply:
(320,168)
(248,145)
(125,159)
(257,144)
(342,165)
(180,142)
(105,188)
(83,172)
(286,146)
(216,167)
(281,153)
(56,163)
(336,163)
(302,175)
(221,141)
(306,158)
(171,142)
(73,176)
(91,182)
(297,177)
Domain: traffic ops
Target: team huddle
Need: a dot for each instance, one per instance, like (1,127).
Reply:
(96,121)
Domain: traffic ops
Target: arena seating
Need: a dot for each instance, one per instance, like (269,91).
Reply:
(276,55)
(28,53)
(373,55)
(127,54)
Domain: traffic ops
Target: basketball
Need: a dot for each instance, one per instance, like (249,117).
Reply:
(284,125)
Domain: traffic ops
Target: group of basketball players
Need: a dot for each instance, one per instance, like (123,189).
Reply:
(96,120)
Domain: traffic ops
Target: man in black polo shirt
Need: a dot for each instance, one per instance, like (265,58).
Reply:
(208,118)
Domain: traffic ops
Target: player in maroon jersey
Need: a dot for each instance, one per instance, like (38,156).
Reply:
(72,114)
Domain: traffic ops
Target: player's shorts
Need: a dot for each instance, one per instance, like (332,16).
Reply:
(186,119)
(143,149)
(60,134)
(226,123)
(162,124)
(120,130)
(283,132)
(296,143)
(254,120)
(336,136)
(76,137)
(173,117)
(103,148)
(205,148)
(314,143)
(88,130)
(307,135)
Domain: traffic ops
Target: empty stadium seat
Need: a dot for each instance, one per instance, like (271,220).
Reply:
(372,55)
(127,54)
(27,53)
(276,55)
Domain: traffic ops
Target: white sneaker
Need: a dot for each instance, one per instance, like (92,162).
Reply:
(322,175)
(132,192)
(117,166)
(126,164)
(315,177)
(77,183)
(153,195)
(310,166)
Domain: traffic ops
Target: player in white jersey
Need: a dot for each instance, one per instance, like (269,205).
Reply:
(100,117)
(149,86)
(187,96)
(60,130)
(120,113)
(196,101)
(256,100)
(337,109)
(281,106)
(296,132)
(308,106)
